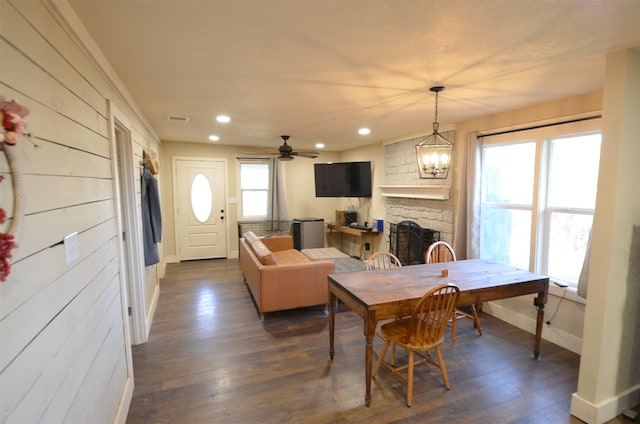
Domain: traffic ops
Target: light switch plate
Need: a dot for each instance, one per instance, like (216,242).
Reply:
(71,248)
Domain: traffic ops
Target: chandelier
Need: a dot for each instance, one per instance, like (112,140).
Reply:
(434,151)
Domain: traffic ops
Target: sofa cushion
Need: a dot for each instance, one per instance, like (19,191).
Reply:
(263,253)
(250,237)
(290,256)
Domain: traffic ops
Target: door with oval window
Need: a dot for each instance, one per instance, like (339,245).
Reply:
(200,209)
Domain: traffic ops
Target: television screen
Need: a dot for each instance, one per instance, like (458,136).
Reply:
(343,179)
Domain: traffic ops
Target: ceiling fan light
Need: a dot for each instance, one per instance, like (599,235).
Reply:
(286,152)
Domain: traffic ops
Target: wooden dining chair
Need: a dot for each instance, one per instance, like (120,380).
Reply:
(441,251)
(382,260)
(419,333)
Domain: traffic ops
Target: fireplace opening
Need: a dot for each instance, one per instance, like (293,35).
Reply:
(409,241)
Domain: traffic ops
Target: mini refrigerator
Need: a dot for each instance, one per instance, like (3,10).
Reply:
(308,233)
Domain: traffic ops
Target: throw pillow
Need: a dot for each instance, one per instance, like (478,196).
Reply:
(250,237)
(263,253)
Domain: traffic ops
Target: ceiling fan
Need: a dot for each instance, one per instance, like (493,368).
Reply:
(286,152)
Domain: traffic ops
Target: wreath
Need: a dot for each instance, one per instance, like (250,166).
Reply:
(14,124)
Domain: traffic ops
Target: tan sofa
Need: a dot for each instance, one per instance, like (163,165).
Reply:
(280,277)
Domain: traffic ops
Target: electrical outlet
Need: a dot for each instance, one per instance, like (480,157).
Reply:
(71,248)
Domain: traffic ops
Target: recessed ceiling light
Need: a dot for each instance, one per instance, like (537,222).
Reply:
(223,119)
(213,137)
(364,131)
(319,145)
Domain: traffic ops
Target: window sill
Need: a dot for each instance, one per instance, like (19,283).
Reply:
(433,192)
(568,293)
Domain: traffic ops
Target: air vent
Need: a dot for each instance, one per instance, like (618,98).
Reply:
(182,119)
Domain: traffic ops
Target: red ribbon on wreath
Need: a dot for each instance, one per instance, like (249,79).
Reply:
(13,124)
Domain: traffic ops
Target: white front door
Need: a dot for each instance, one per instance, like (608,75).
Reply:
(201,231)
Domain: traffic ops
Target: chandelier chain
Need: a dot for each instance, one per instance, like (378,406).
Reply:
(436,120)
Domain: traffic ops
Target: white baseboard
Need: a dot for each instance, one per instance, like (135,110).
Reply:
(171,259)
(125,402)
(591,413)
(549,333)
(152,310)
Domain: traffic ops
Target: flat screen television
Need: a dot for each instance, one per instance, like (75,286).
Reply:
(343,179)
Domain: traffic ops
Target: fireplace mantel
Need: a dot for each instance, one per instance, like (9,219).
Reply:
(434,192)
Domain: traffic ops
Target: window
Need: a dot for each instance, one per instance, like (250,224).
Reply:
(254,189)
(201,198)
(507,202)
(538,193)
(570,203)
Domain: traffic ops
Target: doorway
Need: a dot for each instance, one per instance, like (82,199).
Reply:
(200,208)
(130,269)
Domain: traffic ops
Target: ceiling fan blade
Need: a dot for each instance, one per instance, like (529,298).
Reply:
(311,155)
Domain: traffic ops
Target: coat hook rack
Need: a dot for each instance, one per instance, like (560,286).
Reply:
(149,159)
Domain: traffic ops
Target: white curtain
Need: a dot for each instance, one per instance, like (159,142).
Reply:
(474,162)
(278,215)
(583,281)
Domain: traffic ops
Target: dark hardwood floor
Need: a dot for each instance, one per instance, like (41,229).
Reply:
(209,359)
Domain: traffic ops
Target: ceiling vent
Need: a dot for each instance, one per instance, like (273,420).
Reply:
(182,119)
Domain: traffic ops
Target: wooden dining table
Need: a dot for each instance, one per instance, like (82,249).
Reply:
(385,294)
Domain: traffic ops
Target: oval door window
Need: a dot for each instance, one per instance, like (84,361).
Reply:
(201,198)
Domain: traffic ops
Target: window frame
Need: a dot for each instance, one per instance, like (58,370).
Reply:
(253,161)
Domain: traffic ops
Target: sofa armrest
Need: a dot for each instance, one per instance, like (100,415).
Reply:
(278,243)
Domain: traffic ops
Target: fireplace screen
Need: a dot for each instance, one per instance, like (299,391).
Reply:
(409,241)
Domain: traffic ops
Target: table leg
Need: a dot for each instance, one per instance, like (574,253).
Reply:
(332,317)
(369,333)
(539,302)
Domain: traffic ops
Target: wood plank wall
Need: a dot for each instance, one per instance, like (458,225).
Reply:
(64,351)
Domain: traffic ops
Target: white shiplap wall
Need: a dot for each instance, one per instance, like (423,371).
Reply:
(64,348)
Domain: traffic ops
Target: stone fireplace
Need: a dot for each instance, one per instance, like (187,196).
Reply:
(426,202)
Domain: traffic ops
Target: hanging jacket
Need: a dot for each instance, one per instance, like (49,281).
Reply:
(151,217)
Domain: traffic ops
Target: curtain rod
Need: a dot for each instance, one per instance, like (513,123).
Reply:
(535,127)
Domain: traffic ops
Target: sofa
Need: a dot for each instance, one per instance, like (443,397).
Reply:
(280,277)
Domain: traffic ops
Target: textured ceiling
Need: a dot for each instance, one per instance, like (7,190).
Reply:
(319,70)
